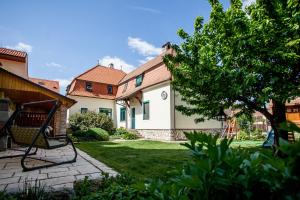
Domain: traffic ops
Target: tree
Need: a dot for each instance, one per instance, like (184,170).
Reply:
(241,58)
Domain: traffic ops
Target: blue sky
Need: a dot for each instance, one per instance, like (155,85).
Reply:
(64,38)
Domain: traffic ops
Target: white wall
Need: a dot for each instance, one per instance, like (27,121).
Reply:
(159,109)
(92,104)
(187,122)
(118,122)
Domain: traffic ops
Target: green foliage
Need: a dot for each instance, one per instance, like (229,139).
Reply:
(243,135)
(257,135)
(245,122)
(5,196)
(121,131)
(34,191)
(88,120)
(219,172)
(216,171)
(92,134)
(241,58)
(119,187)
(129,136)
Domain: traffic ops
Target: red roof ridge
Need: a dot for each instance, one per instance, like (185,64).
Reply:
(13,52)
(43,79)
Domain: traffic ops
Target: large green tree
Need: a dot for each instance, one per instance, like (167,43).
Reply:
(240,58)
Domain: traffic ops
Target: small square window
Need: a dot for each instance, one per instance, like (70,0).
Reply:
(122,114)
(146,110)
(138,80)
(83,110)
(88,86)
(110,89)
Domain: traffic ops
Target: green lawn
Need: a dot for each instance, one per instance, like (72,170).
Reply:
(143,158)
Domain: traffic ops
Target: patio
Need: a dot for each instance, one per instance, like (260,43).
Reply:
(58,178)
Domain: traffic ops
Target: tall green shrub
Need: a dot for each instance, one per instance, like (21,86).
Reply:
(88,120)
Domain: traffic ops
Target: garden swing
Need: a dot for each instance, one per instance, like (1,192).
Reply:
(32,137)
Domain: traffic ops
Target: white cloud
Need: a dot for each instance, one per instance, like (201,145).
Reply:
(63,83)
(146,59)
(151,10)
(142,47)
(118,63)
(54,64)
(21,47)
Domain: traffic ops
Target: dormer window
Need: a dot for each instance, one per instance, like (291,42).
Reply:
(110,89)
(138,80)
(88,86)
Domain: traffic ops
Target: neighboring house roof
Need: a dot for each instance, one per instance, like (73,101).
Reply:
(101,74)
(154,72)
(52,85)
(10,54)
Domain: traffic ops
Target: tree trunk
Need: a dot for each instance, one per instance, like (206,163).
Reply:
(279,117)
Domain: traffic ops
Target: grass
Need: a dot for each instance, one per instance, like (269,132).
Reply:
(144,158)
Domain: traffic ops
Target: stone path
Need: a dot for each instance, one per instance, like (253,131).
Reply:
(62,177)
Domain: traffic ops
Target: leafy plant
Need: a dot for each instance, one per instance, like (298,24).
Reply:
(92,134)
(88,120)
(257,135)
(129,136)
(243,135)
(240,58)
(34,191)
(121,131)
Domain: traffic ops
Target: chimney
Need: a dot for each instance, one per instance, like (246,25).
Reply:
(166,46)
(111,65)
(99,62)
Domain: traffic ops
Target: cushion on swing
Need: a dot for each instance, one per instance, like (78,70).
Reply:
(25,136)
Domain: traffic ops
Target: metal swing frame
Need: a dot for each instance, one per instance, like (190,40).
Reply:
(42,133)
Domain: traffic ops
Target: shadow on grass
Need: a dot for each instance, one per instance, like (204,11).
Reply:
(146,159)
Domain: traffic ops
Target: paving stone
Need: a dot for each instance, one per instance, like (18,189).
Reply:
(2,187)
(33,177)
(9,180)
(65,186)
(14,187)
(61,174)
(54,169)
(6,175)
(58,181)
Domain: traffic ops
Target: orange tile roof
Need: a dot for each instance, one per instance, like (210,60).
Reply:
(12,52)
(155,72)
(101,74)
(52,85)
(90,94)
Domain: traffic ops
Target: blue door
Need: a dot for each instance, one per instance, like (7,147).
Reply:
(132,118)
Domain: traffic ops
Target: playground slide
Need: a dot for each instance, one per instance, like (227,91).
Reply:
(270,140)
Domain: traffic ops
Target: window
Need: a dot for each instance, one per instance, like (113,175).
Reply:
(107,111)
(125,87)
(88,86)
(138,80)
(83,110)
(146,113)
(122,114)
(109,89)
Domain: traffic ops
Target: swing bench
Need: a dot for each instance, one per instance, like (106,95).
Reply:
(32,137)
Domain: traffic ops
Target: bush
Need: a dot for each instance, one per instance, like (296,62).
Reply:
(257,135)
(88,120)
(243,135)
(92,134)
(129,136)
(121,131)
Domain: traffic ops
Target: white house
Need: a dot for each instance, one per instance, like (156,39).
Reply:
(144,101)
(95,90)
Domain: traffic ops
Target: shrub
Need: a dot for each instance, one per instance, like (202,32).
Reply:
(121,131)
(129,136)
(92,134)
(243,135)
(257,135)
(88,120)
